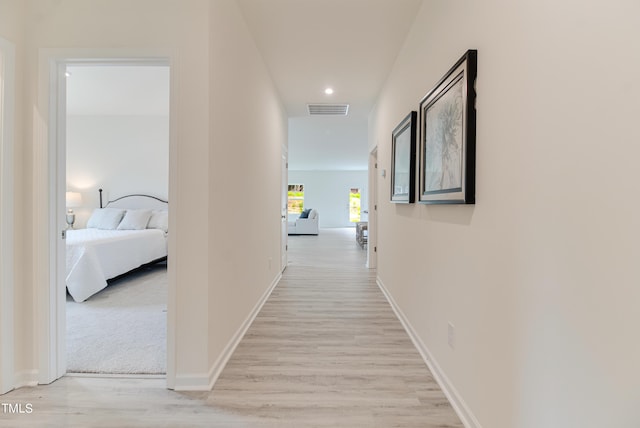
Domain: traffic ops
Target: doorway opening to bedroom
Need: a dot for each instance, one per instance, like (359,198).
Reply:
(117,192)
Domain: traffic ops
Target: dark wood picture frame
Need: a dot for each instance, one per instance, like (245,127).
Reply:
(403,160)
(448,136)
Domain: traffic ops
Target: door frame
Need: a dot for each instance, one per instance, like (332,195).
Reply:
(49,199)
(284,211)
(7,115)
(372,227)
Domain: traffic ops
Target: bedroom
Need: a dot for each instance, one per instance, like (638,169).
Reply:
(117,139)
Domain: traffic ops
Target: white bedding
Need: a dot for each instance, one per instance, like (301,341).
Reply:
(94,256)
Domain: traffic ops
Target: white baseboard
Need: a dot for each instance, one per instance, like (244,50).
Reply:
(192,382)
(26,378)
(22,379)
(463,411)
(205,381)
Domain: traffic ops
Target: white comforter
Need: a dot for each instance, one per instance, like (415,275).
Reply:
(94,256)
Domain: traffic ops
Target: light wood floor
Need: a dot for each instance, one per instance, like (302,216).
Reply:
(325,351)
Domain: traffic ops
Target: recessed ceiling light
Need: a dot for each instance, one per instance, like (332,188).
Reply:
(328,91)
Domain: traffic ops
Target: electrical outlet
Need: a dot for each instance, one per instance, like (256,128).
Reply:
(451,335)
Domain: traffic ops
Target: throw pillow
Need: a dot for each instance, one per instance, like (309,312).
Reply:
(105,218)
(159,220)
(135,220)
(305,213)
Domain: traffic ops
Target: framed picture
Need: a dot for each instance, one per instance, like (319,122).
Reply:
(403,160)
(448,136)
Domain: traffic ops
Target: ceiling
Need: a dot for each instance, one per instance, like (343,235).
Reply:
(348,45)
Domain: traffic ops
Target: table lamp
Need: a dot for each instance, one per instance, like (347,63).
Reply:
(74,200)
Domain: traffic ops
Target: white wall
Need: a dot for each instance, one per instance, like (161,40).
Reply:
(215,85)
(11,29)
(540,277)
(121,28)
(7,190)
(328,192)
(120,154)
(248,131)
(328,143)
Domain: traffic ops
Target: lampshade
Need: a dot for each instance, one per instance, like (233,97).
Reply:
(74,199)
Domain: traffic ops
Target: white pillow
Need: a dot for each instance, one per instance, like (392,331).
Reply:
(135,220)
(105,218)
(159,220)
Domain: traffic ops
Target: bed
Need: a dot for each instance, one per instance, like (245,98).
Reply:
(121,236)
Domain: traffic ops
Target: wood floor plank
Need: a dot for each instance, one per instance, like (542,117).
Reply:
(326,350)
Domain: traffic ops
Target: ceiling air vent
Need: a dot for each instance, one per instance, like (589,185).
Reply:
(328,109)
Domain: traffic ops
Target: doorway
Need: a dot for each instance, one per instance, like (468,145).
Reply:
(116,139)
(50,206)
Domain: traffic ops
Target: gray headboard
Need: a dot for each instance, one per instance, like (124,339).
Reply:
(135,201)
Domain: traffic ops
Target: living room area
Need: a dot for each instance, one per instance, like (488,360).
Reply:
(327,175)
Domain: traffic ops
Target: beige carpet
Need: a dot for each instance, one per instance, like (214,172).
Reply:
(122,329)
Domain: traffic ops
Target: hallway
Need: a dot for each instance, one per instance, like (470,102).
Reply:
(326,350)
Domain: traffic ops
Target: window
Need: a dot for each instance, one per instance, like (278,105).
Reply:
(295,198)
(354,205)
